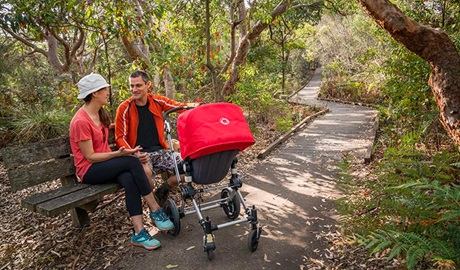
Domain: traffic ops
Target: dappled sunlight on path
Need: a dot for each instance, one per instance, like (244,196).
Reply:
(294,190)
(295,187)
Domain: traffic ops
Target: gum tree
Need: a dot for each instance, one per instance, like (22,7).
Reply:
(434,46)
(52,29)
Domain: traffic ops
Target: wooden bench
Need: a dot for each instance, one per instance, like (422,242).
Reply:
(46,161)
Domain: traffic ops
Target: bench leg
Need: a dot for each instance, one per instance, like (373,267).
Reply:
(91,206)
(79,217)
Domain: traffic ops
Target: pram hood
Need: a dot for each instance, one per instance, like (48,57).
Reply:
(212,128)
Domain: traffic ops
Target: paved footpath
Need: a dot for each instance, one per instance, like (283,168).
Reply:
(294,190)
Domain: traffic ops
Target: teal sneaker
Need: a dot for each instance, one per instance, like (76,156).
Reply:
(161,220)
(145,240)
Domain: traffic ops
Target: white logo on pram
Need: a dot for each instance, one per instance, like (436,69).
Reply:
(224,121)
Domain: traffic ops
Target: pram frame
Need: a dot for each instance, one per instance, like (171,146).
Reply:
(230,200)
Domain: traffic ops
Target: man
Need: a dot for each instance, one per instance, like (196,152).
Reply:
(139,121)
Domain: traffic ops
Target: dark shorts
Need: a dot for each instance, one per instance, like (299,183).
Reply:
(163,159)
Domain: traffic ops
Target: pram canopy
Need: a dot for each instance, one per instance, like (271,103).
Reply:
(212,128)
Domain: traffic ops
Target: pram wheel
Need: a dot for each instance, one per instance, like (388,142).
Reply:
(208,243)
(210,254)
(173,213)
(232,205)
(253,240)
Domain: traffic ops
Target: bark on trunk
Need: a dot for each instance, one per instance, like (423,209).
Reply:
(434,46)
(53,55)
(136,52)
(170,88)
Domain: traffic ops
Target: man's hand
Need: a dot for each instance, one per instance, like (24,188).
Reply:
(193,104)
(143,157)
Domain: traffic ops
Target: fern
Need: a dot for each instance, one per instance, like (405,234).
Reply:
(411,211)
(414,255)
(413,246)
(382,246)
(394,252)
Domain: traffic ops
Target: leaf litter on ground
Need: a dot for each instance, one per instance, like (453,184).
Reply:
(32,241)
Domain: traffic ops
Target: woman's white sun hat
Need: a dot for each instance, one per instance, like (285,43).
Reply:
(90,84)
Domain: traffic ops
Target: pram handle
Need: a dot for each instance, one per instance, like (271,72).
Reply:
(180,108)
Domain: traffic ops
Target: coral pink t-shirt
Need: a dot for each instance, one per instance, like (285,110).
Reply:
(82,128)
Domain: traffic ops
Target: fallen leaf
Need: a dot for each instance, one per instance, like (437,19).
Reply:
(55,253)
(265,258)
(169,266)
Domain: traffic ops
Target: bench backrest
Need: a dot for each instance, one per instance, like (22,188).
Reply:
(36,163)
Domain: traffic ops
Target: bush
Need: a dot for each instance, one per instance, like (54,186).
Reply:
(412,210)
(256,95)
(348,90)
(32,126)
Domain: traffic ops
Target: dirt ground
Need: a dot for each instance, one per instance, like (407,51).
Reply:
(32,241)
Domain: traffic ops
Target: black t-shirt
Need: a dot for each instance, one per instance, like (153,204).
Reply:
(147,133)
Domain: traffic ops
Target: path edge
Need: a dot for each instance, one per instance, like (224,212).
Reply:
(262,154)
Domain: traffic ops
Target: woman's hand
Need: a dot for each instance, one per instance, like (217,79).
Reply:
(122,151)
(86,147)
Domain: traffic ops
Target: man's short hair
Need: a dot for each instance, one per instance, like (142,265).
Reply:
(140,73)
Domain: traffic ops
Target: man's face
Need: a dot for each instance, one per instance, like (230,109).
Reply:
(139,88)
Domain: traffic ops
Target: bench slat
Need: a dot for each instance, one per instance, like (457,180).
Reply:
(24,177)
(19,155)
(77,198)
(32,201)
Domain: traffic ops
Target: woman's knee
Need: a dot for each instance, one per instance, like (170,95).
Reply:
(133,162)
(126,180)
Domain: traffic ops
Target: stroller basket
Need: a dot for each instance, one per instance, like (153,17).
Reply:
(212,168)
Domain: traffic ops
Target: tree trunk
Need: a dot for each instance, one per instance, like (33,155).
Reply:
(156,81)
(136,52)
(245,44)
(170,87)
(434,46)
(53,55)
(209,64)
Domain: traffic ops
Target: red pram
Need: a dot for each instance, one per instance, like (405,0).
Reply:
(210,137)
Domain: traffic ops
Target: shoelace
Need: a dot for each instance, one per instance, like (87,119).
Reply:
(161,216)
(146,234)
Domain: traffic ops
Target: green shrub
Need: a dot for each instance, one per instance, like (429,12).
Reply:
(412,210)
(346,89)
(32,126)
(256,94)
(283,124)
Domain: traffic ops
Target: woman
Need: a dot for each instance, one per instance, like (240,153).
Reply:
(97,164)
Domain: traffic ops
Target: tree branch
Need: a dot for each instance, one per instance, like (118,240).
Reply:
(79,42)
(434,46)
(245,43)
(25,42)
